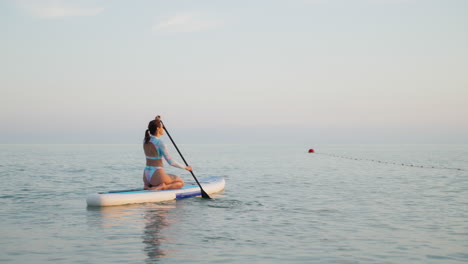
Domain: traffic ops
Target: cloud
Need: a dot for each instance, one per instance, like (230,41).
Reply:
(186,22)
(56,9)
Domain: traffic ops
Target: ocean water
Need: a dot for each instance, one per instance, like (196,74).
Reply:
(343,204)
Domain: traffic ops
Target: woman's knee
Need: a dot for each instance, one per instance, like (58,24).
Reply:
(176,178)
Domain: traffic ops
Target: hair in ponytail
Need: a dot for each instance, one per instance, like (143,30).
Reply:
(147,136)
(152,127)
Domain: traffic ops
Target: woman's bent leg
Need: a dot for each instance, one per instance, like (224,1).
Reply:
(175,182)
(161,186)
(162,181)
(175,185)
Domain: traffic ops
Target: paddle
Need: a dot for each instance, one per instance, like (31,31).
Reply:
(203,193)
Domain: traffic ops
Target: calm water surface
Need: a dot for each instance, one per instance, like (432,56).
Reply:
(344,204)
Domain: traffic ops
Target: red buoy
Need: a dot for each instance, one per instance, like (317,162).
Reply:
(311,151)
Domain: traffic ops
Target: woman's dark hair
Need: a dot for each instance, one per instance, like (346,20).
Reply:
(152,127)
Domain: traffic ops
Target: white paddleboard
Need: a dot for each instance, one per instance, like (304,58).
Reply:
(210,185)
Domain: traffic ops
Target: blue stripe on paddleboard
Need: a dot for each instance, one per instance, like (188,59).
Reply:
(188,194)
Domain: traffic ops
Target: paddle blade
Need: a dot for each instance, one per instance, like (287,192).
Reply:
(205,195)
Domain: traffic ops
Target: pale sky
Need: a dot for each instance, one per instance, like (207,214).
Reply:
(218,71)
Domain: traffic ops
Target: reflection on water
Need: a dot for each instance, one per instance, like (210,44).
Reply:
(154,217)
(155,220)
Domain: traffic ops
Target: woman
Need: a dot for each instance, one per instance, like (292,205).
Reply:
(154,176)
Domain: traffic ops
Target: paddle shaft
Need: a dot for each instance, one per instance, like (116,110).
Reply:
(203,193)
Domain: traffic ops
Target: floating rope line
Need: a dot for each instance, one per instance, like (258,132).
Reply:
(389,162)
